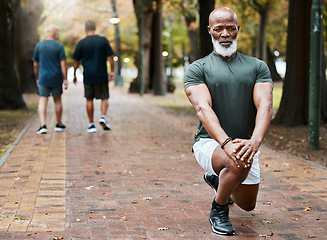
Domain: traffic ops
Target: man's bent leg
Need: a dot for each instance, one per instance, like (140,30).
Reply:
(230,176)
(42,109)
(245,196)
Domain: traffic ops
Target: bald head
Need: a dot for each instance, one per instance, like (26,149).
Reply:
(222,13)
(52,31)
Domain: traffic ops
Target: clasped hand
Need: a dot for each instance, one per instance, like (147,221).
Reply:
(241,151)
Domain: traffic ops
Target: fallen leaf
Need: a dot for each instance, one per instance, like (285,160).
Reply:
(266,221)
(307,209)
(78,220)
(286,209)
(89,188)
(266,235)
(163,229)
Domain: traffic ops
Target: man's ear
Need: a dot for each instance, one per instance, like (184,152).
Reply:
(238,28)
(209,28)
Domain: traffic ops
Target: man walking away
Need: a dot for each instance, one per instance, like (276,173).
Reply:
(50,68)
(94,51)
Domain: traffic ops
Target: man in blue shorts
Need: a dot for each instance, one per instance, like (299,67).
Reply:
(232,96)
(50,69)
(94,51)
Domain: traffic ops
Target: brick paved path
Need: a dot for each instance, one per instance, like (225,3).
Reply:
(140,181)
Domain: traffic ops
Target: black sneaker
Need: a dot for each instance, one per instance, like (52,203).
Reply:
(219,220)
(213,181)
(60,127)
(42,130)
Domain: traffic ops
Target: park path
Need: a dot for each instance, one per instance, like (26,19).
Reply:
(141,181)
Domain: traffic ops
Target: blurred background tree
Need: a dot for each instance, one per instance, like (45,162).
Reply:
(273,30)
(10,94)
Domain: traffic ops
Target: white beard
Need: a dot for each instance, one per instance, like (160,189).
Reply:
(224,51)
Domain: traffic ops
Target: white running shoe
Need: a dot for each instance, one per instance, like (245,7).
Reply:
(104,123)
(91,129)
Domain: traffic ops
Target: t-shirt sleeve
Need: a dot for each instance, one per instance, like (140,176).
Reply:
(109,51)
(194,74)
(77,52)
(263,73)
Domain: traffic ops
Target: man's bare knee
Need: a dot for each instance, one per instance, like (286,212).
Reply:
(248,207)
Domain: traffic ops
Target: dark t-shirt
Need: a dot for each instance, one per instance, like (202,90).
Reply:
(231,85)
(49,54)
(94,51)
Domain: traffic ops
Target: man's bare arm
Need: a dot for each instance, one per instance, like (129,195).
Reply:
(112,68)
(63,64)
(263,100)
(36,71)
(75,66)
(200,98)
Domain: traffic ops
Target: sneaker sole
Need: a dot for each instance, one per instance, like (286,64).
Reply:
(219,233)
(104,126)
(42,132)
(59,129)
(91,131)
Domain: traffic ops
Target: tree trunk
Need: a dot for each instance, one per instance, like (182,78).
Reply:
(293,108)
(205,8)
(147,39)
(323,85)
(194,46)
(27,18)
(159,83)
(262,36)
(10,95)
(187,9)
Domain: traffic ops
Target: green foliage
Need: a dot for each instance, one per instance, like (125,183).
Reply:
(248,17)
(184,12)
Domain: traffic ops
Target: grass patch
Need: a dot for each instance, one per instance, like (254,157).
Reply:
(277,96)
(12,122)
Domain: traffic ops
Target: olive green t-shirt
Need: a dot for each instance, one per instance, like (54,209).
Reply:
(231,86)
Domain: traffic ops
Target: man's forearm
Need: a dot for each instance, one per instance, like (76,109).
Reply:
(112,64)
(64,68)
(212,125)
(36,69)
(75,65)
(262,123)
